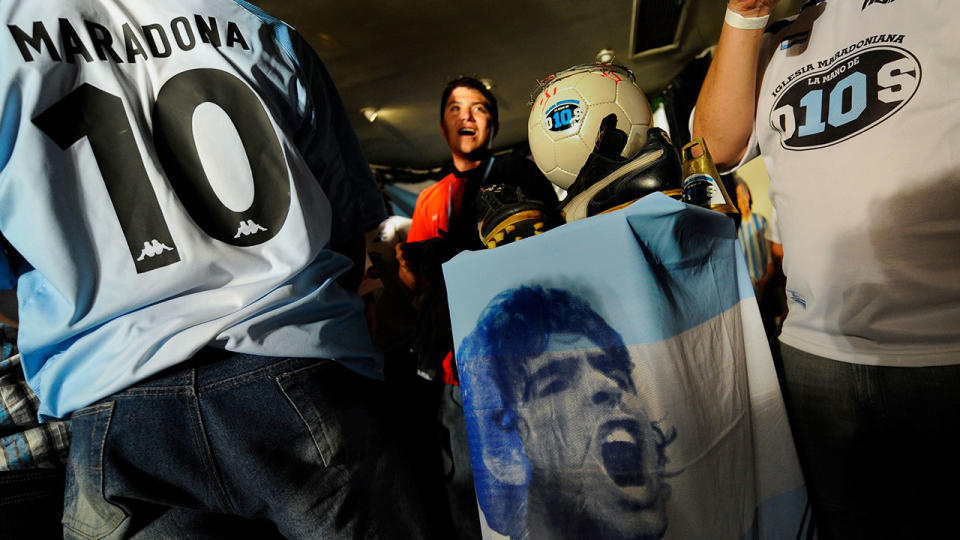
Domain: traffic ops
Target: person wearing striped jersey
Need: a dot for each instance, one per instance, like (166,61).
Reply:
(755,247)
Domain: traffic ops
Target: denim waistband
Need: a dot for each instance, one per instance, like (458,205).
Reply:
(212,365)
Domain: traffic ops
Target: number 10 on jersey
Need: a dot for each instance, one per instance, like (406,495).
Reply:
(100,116)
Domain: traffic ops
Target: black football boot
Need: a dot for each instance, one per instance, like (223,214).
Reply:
(505,215)
(608,182)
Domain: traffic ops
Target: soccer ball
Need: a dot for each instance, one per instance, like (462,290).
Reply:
(567,110)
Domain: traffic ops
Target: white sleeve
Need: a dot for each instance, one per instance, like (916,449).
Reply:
(772,232)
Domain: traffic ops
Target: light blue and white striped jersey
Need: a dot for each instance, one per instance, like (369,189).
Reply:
(172,175)
(755,247)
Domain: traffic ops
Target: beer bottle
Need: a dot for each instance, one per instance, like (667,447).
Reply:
(701,181)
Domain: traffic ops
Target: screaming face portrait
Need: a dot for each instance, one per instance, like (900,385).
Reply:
(565,435)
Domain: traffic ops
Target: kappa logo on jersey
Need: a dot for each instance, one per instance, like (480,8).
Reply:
(247,228)
(854,92)
(101,41)
(871,2)
(153,248)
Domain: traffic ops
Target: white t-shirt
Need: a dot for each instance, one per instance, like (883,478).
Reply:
(772,232)
(858,122)
(173,175)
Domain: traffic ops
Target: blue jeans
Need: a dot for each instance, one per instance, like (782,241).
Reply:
(878,446)
(229,445)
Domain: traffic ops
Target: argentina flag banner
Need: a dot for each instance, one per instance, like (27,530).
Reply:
(617,383)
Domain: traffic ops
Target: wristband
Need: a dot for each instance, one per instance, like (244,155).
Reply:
(737,20)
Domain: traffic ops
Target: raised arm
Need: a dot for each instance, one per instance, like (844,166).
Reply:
(727,102)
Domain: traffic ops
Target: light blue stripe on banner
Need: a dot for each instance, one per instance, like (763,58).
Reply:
(647,259)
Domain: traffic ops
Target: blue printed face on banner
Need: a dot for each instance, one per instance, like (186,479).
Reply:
(604,372)
(562,420)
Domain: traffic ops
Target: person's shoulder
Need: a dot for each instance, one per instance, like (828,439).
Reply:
(777,25)
(285,37)
(431,192)
(282,31)
(261,14)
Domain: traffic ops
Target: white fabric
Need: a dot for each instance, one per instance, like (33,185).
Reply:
(869,221)
(737,20)
(772,232)
(93,321)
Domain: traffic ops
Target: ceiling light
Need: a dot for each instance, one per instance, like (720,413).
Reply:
(487,83)
(370,113)
(605,56)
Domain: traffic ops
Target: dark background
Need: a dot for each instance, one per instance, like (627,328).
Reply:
(397,56)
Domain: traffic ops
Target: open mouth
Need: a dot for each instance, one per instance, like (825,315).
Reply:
(467,131)
(621,450)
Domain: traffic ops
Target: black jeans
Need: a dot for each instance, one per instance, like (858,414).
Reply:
(31,503)
(878,446)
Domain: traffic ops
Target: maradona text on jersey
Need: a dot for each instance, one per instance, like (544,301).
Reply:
(70,41)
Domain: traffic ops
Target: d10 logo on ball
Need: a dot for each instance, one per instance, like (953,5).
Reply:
(567,110)
(564,115)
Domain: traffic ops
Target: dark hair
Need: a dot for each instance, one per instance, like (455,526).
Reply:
(470,82)
(518,323)
(514,326)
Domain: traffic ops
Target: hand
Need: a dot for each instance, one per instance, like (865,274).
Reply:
(752,8)
(398,251)
(407,275)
